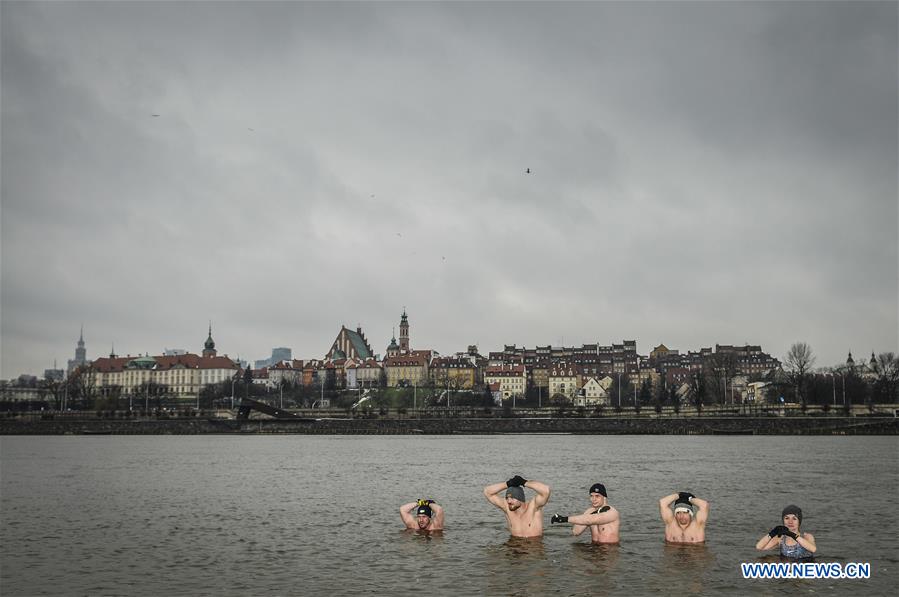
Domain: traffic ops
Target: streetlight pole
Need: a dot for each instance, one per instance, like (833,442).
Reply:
(833,378)
(843,380)
(233,379)
(619,390)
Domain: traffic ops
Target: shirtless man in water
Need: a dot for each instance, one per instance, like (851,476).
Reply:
(525,518)
(428,515)
(686,524)
(600,517)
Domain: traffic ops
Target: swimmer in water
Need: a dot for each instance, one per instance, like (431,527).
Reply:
(423,515)
(600,517)
(525,517)
(793,543)
(686,523)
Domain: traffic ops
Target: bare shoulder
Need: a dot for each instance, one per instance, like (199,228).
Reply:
(808,536)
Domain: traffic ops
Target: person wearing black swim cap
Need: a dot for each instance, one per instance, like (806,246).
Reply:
(524,517)
(422,515)
(684,516)
(792,542)
(601,518)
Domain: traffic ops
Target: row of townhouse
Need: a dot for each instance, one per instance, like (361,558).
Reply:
(509,381)
(412,368)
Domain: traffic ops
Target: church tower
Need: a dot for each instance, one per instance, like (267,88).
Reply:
(209,346)
(394,348)
(404,332)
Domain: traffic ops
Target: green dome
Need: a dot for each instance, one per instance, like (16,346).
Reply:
(146,362)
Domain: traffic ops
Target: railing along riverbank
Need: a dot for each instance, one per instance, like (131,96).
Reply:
(860,420)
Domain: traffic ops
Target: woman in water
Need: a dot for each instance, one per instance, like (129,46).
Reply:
(793,543)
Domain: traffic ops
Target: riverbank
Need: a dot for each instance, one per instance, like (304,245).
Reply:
(697,425)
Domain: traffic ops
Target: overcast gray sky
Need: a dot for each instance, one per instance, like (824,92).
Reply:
(701,173)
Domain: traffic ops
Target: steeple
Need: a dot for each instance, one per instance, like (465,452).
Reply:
(112,354)
(393,349)
(404,332)
(209,346)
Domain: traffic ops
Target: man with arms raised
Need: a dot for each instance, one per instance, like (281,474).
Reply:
(428,515)
(525,518)
(600,517)
(686,524)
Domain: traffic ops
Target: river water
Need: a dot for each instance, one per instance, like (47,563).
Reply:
(305,515)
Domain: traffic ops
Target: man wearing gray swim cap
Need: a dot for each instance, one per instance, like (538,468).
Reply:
(524,517)
(422,515)
(601,518)
(684,516)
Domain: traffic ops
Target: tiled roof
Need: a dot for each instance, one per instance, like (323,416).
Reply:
(361,346)
(164,363)
(406,360)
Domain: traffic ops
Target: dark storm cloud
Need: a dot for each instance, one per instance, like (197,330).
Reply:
(700,173)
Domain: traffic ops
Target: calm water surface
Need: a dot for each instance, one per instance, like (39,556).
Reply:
(281,515)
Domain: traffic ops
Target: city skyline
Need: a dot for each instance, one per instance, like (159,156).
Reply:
(642,351)
(527,173)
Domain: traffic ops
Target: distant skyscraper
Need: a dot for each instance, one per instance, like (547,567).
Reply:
(80,354)
(282,353)
(54,374)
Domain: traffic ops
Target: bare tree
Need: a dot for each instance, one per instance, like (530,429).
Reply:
(886,376)
(719,369)
(798,363)
(82,386)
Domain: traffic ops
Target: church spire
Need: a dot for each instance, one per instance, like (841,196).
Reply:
(209,346)
(404,332)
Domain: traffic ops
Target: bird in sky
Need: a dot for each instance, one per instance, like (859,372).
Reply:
(528,171)
(155,115)
(251,130)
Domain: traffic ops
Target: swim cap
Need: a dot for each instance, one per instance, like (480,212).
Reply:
(423,511)
(791,509)
(599,488)
(516,492)
(683,507)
